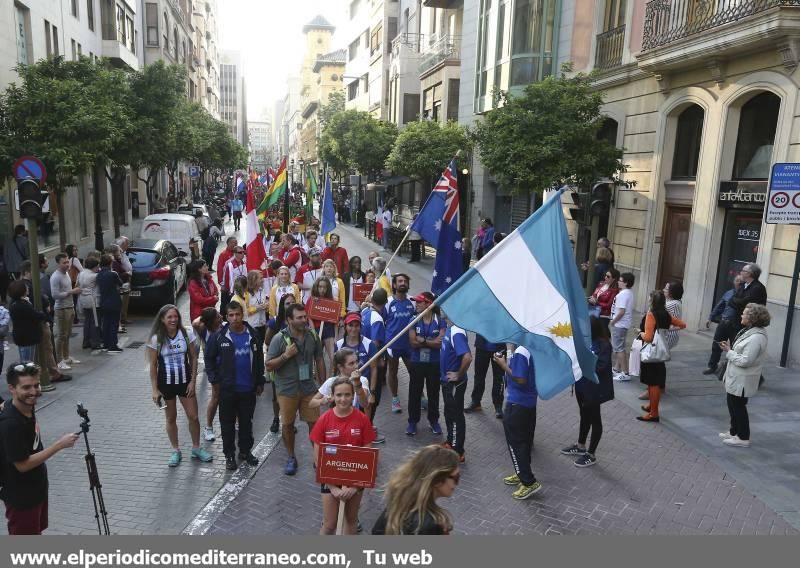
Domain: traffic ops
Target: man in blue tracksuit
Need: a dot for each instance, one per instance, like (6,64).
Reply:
(235,360)
(454,361)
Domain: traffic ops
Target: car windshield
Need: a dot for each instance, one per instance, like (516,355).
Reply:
(140,258)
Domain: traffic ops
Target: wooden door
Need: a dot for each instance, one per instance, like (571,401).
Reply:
(674,245)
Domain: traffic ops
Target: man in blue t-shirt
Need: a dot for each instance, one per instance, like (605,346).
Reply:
(235,360)
(399,313)
(484,351)
(372,327)
(519,419)
(454,361)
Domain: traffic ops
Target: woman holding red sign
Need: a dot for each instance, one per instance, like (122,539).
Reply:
(342,425)
(321,289)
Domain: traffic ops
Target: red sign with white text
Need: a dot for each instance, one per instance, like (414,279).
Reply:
(351,466)
(323,309)
(361,291)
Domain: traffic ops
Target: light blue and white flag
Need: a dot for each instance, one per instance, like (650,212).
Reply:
(527,291)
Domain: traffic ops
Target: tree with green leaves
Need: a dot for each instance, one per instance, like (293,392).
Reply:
(356,140)
(548,136)
(70,114)
(334,106)
(424,148)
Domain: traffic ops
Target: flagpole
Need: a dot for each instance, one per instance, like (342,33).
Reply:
(403,333)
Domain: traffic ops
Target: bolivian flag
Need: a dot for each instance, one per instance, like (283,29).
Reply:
(275,191)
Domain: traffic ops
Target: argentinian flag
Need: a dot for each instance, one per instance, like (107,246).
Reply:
(527,291)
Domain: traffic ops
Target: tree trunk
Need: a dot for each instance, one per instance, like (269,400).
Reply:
(98,222)
(62,225)
(117,180)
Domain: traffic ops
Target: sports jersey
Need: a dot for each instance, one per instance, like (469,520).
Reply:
(244,371)
(354,429)
(372,326)
(399,314)
(428,331)
(365,349)
(233,269)
(293,261)
(454,346)
(259,298)
(173,357)
(305,279)
(521,364)
(326,389)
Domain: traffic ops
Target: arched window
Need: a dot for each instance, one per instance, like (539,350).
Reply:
(175,42)
(608,131)
(687,143)
(758,121)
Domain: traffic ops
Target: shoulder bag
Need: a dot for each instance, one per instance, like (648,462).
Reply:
(656,351)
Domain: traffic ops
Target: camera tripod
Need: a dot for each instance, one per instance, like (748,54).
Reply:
(94,477)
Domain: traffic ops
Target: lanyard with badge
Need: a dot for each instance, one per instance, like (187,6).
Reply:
(425,352)
(303,369)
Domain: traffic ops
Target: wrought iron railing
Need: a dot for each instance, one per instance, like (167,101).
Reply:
(608,52)
(408,40)
(446,47)
(668,20)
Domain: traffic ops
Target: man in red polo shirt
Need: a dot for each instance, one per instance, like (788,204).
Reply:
(337,254)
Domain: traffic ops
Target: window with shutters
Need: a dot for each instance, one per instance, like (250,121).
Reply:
(151,19)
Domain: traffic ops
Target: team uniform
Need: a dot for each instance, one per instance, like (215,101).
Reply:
(519,415)
(373,328)
(174,366)
(305,279)
(454,346)
(326,389)
(354,429)
(424,372)
(365,349)
(399,314)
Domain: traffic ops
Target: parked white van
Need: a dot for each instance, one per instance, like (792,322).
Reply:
(177,228)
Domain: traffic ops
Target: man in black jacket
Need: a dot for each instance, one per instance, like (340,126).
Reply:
(235,360)
(751,291)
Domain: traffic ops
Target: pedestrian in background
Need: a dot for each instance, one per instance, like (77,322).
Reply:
(89,303)
(26,321)
(425,339)
(342,425)
(336,253)
(412,491)
(16,251)
(621,321)
(209,321)
(274,326)
(745,359)
(225,295)
(127,273)
(109,283)
(75,269)
(455,359)
(236,208)
(63,292)
(485,238)
(25,488)
(233,269)
(590,396)
(484,352)
(721,314)
(46,345)
(172,354)
(203,292)
(354,275)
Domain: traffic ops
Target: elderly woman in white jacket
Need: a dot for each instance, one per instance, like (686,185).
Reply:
(743,371)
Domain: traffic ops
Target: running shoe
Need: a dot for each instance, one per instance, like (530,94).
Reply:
(72,361)
(586,460)
(114,351)
(208,434)
(512,479)
(291,466)
(249,458)
(64,366)
(622,378)
(230,463)
(411,429)
(527,491)
(379,438)
(202,455)
(725,435)
(436,429)
(573,450)
(498,412)
(736,441)
(175,458)
(396,405)
(276,424)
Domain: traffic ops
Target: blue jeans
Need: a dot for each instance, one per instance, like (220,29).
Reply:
(27,352)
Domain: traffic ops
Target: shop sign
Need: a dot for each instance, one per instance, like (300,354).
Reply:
(732,193)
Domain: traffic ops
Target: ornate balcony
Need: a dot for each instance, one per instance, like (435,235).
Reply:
(690,33)
(608,52)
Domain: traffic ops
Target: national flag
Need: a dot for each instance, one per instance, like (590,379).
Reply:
(311,191)
(256,255)
(449,265)
(527,291)
(328,213)
(439,203)
(275,191)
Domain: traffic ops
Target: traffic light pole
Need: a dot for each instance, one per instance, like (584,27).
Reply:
(594,225)
(33,254)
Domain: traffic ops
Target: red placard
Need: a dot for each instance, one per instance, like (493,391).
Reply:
(352,466)
(322,309)
(361,291)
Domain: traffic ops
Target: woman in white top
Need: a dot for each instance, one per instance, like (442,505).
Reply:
(257,302)
(75,268)
(283,285)
(673,292)
(337,286)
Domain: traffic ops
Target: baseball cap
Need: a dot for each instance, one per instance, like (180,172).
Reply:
(424,297)
(314,251)
(350,318)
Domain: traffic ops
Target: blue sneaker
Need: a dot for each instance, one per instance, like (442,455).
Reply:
(411,429)
(175,458)
(202,455)
(435,428)
(291,466)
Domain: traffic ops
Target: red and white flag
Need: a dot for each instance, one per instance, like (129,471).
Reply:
(256,255)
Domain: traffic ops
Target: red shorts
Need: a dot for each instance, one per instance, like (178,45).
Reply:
(28,521)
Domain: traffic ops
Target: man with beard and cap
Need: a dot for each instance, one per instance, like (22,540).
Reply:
(309,273)
(399,313)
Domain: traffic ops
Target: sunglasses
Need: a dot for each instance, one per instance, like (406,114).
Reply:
(456,477)
(29,367)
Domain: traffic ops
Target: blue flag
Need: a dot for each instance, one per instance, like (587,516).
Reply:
(428,221)
(449,264)
(328,213)
(527,291)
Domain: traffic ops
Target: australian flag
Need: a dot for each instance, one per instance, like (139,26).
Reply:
(437,223)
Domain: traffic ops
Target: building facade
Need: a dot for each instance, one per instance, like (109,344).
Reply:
(206,55)
(260,137)
(233,103)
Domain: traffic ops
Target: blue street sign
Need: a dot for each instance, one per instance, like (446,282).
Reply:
(30,167)
(783,199)
(194,171)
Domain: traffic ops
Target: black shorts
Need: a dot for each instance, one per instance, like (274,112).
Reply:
(169,392)
(325,490)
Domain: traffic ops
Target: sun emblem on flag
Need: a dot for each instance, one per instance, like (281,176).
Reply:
(561,330)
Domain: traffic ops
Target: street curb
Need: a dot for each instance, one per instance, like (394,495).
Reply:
(208,515)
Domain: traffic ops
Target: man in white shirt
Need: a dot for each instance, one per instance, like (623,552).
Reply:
(621,321)
(386,221)
(127,267)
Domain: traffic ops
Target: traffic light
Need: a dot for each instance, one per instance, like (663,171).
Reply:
(600,200)
(30,199)
(578,211)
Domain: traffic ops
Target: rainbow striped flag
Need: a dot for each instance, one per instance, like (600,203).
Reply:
(275,191)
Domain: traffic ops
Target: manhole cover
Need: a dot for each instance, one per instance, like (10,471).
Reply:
(134,345)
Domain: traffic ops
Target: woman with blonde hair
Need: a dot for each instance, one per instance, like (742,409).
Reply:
(257,303)
(283,285)
(337,284)
(411,494)
(241,294)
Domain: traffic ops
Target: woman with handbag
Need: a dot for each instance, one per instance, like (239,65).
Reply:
(743,371)
(590,396)
(655,352)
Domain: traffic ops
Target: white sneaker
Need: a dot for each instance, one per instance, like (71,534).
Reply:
(72,361)
(64,366)
(622,377)
(208,434)
(725,435)
(6,347)
(735,441)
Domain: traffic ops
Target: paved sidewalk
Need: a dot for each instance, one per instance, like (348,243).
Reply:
(651,479)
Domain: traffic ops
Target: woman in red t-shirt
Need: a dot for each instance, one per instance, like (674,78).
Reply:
(342,425)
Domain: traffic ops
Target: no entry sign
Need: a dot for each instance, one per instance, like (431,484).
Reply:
(351,466)
(783,200)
